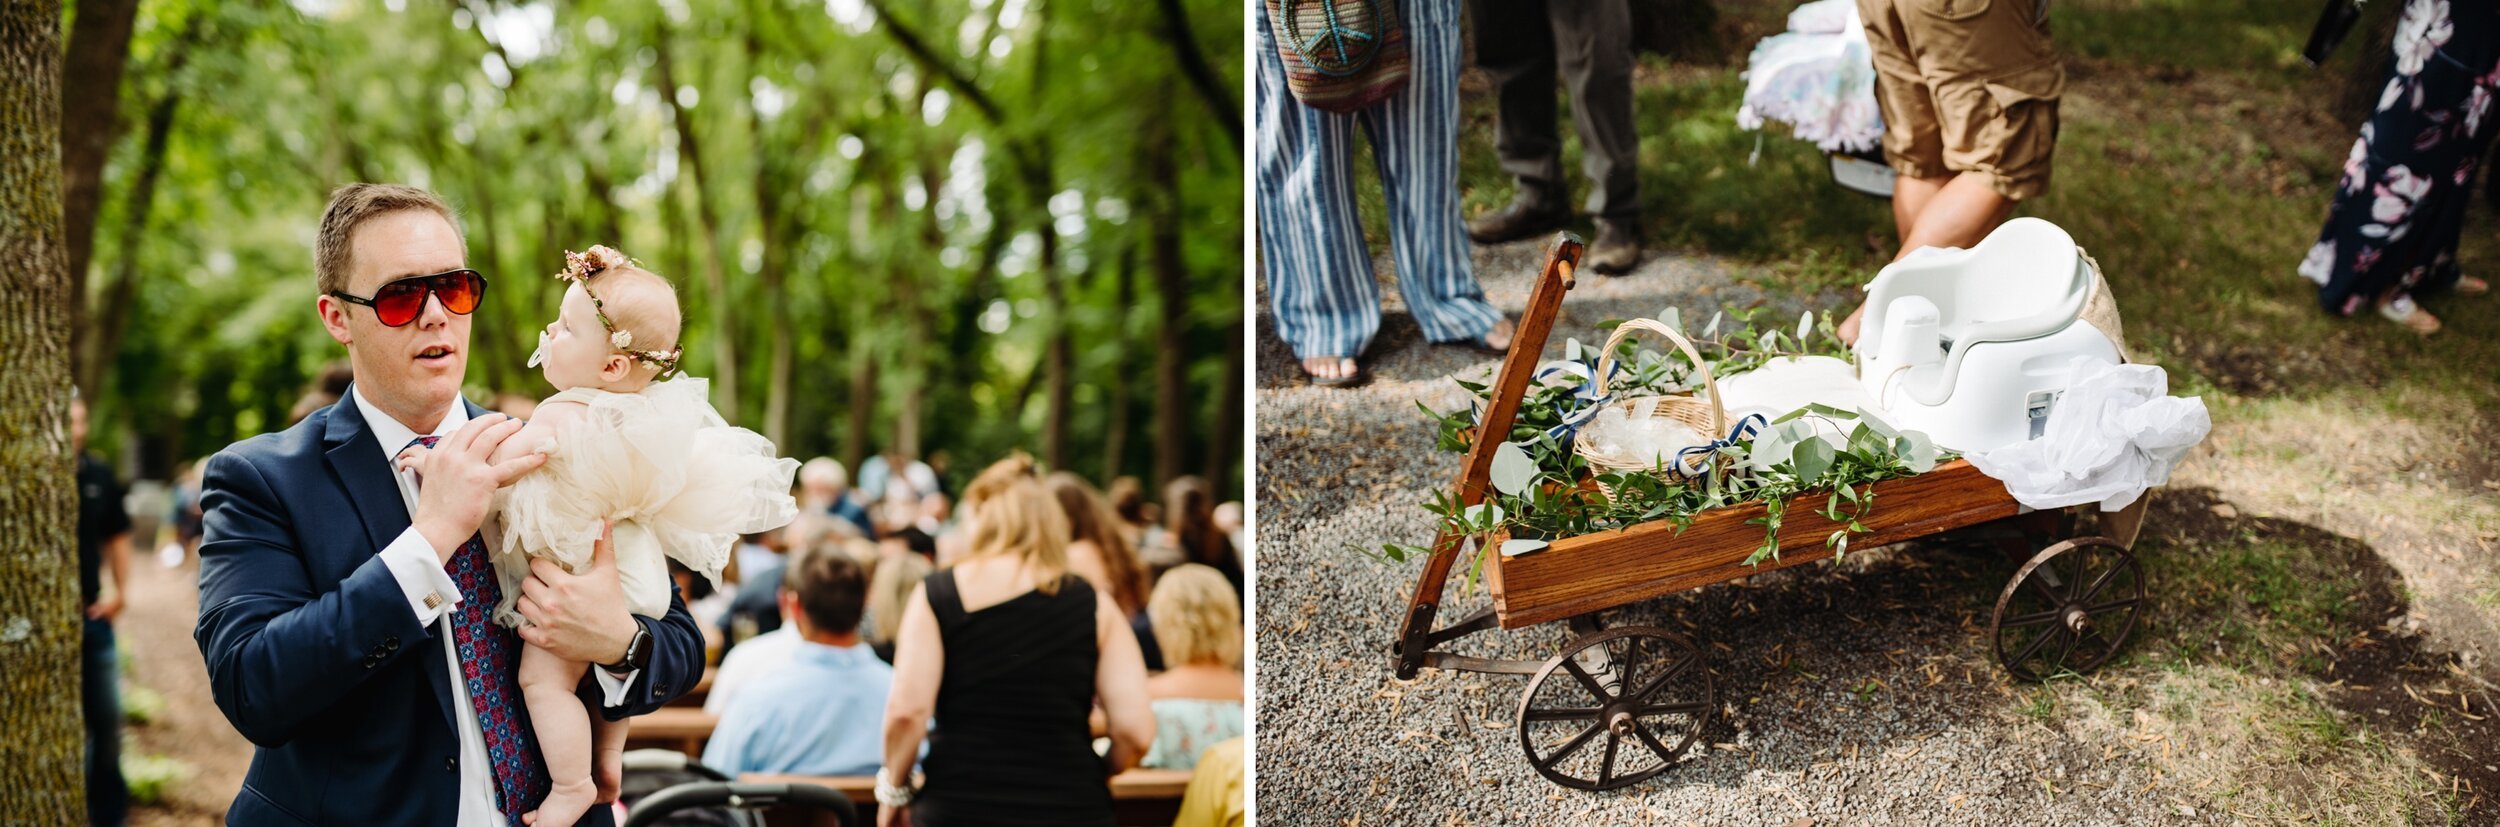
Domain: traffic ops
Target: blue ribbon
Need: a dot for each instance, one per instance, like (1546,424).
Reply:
(1583,403)
(1744,430)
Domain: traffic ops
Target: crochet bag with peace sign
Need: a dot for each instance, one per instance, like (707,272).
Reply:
(1340,55)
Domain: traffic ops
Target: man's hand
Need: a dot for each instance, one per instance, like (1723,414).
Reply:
(578,617)
(105,608)
(894,817)
(457,483)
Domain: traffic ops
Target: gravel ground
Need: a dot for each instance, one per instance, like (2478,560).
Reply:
(1854,692)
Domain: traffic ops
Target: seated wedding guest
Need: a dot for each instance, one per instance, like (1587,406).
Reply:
(1099,554)
(890,584)
(1128,499)
(708,605)
(1006,652)
(819,713)
(1213,797)
(1228,519)
(1189,525)
(1197,702)
(825,487)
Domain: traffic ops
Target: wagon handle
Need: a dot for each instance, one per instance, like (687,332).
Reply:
(1527,347)
(1606,365)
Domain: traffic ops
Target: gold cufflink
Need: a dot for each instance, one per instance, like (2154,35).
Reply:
(434,600)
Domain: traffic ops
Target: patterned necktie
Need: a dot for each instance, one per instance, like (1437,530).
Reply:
(490,663)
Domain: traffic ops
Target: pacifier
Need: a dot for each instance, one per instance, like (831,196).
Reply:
(539,355)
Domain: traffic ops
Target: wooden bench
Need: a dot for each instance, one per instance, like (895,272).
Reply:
(1138,797)
(680,728)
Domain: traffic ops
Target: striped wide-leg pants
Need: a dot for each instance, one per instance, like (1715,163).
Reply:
(1319,275)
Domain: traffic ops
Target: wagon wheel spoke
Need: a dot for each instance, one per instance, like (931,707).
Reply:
(2033,619)
(1686,708)
(2068,651)
(2107,577)
(2033,647)
(1568,713)
(2114,605)
(1606,768)
(1660,682)
(2047,592)
(1574,745)
(1595,688)
(1665,756)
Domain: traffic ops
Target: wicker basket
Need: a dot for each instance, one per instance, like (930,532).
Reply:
(1705,416)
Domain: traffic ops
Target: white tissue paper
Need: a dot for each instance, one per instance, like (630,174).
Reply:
(2115,433)
(1638,434)
(1788,383)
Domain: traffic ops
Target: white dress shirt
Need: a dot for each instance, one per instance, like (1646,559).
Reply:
(432,595)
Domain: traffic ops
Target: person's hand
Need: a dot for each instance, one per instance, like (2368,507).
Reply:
(105,608)
(456,482)
(894,817)
(578,617)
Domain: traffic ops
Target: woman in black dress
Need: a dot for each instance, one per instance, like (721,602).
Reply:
(1007,652)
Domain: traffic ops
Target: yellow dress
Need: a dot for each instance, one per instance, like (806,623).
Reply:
(677,482)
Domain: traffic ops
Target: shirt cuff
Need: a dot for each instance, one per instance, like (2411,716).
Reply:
(419,570)
(612,688)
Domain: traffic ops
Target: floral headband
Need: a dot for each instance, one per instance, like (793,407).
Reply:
(578,268)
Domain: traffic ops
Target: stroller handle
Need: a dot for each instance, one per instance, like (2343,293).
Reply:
(661,804)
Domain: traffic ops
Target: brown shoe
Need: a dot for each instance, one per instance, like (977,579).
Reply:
(1617,248)
(1519,220)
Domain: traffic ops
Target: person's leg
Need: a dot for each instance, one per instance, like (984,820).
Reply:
(562,724)
(1913,132)
(1964,211)
(1319,276)
(1414,137)
(1521,62)
(607,764)
(1909,196)
(108,796)
(1593,50)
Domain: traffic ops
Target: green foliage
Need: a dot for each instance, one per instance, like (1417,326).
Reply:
(151,776)
(871,219)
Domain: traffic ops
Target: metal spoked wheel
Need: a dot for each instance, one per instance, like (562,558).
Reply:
(1615,708)
(2068,610)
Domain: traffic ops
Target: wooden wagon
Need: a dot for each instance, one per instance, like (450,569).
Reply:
(1618,706)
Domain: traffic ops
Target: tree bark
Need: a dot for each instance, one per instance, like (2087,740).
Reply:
(690,154)
(40,632)
(99,49)
(1201,74)
(1115,434)
(1172,296)
(768,218)
(1225,437)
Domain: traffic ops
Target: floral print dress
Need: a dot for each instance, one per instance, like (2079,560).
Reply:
(2393,225)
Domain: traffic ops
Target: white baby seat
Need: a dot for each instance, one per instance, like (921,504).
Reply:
(1972,346)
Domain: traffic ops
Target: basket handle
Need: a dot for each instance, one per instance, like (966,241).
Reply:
(1606,366)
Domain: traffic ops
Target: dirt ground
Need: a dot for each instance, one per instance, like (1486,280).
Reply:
(155,635)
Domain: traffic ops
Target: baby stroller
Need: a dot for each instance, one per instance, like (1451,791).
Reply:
(664,788)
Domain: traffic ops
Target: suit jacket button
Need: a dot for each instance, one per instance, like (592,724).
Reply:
(451,765)
(390,644)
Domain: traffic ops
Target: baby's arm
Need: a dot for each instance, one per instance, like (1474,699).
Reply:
(541,430)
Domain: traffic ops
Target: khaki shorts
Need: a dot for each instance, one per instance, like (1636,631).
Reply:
(1967,86)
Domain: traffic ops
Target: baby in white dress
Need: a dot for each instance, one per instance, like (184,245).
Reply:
(650,459)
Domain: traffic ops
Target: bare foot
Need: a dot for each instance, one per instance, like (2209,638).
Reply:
(1848,328)
(2471,286)
(565,804)
(1330,370)
(1499,337)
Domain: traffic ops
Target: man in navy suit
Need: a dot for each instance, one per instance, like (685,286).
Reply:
(344,605)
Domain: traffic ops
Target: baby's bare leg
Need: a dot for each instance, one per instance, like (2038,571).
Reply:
(608,754)
(564,737)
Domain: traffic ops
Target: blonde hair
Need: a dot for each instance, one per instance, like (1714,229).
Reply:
(644,305)
(334,250)
(1091,519)
(1014,516)
(889,589)
(1196,617)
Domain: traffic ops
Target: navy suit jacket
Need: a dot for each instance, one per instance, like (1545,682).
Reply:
(312,651)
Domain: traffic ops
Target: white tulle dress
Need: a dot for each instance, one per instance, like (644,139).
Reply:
(678,482)
(1818,77)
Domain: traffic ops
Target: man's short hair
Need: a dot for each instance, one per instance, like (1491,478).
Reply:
(831,588)
(353,205)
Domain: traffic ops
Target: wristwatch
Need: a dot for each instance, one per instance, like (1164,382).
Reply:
(891,796)
(637,653)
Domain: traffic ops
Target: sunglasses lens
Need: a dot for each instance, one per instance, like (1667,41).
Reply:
(460,291)
(399,302)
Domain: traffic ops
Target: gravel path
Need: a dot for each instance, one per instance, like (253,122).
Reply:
(1854,692)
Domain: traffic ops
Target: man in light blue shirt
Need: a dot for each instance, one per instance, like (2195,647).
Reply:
(824,713)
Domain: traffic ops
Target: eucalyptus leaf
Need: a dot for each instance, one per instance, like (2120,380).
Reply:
(1871,420)
(1918,451)
(1673,319)
(1571,349)
(1811,458)
(1805,326)
(1712,329)
(1512,469)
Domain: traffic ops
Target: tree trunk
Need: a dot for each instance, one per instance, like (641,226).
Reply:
(723,343)
(1226,433)
(113,311)
(1115,434)
(40,632)
(99,48)
(1202,76)
(768,218)
(1172,296)
(1060,360)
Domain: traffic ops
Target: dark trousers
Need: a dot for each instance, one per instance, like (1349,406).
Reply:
(1524,44)
(108,798)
